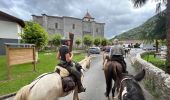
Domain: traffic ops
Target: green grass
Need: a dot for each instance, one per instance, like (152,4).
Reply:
(23,74)
(154,60)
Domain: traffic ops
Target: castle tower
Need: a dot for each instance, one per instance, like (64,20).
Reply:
(88,17)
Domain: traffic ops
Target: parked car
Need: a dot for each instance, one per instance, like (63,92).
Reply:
(94,50)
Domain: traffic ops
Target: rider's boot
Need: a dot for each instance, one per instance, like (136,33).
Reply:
(80,87)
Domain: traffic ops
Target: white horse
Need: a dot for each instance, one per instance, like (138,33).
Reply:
(47,87)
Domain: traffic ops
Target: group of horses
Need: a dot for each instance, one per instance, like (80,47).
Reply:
(49,86)
(125,85)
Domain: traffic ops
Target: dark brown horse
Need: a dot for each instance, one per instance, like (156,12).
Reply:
(126,85)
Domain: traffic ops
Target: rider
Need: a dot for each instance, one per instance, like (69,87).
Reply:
(65,57)
(116,53)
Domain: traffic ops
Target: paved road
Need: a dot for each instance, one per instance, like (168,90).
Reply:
(94,80)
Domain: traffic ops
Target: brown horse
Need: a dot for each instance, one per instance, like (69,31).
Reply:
(112,70)
(126,85)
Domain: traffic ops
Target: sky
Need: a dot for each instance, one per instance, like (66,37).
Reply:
(118,15)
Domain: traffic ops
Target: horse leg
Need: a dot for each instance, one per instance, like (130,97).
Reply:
(75,95)
(113,91)
(108,85)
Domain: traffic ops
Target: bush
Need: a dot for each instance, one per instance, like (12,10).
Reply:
(155,61)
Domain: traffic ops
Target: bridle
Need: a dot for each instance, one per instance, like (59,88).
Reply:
(126,78)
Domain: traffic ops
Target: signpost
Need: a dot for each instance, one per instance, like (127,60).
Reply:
(19,54)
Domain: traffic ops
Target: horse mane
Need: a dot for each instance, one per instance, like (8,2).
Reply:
(23,93)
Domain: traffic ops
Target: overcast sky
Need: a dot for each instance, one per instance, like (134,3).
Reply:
(118,15)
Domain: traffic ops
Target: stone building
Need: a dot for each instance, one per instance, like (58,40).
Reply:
(64,25)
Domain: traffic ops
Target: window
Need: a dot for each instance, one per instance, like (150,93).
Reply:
(96,30)
(73,26)
(56,25)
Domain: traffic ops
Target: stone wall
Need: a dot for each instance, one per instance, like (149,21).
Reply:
(156,80)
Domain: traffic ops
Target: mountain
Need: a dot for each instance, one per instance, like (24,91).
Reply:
(155,24)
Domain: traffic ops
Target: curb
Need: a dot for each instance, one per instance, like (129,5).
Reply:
(7,96)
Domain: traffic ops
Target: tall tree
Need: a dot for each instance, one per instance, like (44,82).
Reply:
(35,34)
(139,3)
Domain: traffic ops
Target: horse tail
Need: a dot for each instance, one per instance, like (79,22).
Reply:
(22,94)
(119,70)
(109,77)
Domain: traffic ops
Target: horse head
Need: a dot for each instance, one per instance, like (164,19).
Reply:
(129,89)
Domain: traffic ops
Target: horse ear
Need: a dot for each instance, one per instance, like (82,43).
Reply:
(140,75)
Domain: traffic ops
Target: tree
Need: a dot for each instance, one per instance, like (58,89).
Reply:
(104,42)
(97,41)
(56,39)
(139,3)
(87,40)
(35,34)
(78,42)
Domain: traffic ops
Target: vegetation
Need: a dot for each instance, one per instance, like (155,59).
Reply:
(153,28)
(78,42)
(97,41)
(150,57)
(104,42)
(23,74)
(88,40)
(35,34)
(56,39)
(139,3)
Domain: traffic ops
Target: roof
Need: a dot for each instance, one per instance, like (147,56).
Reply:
(12,18)
(88,16)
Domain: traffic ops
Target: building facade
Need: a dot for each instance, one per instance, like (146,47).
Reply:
(10,28)
(65,25)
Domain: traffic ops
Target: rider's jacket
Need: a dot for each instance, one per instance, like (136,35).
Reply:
(117,50)
(63,51)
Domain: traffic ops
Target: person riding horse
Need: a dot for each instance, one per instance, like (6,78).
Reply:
(65,57)
(116,54)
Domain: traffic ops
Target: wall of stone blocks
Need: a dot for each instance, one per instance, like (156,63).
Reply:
(156,80)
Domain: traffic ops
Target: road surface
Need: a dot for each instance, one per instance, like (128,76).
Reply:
(94,80)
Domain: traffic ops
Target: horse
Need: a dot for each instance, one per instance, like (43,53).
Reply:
(126,85)
(48,87)
(127,51)
(105,56)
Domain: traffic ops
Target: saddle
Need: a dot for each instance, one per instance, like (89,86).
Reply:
(68,81)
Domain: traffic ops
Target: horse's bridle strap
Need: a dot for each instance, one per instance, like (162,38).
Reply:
(120,86)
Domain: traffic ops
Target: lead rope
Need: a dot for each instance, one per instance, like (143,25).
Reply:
(120,87)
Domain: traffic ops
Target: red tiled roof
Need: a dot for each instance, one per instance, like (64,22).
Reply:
(88,15)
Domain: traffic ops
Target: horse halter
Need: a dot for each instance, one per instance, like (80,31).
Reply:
(126,78)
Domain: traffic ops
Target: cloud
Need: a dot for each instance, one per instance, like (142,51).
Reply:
(118,15)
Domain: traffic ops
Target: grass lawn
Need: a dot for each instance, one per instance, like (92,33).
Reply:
(155,61)
(23,74)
